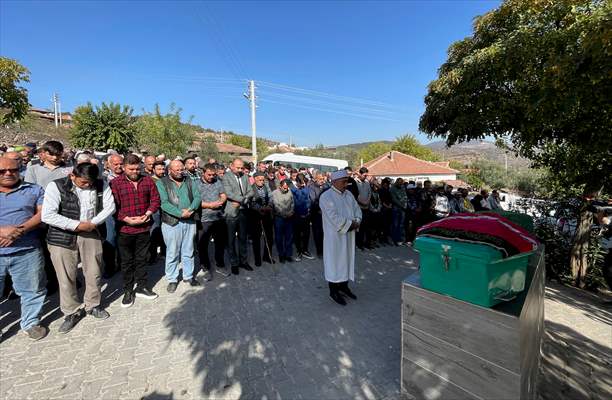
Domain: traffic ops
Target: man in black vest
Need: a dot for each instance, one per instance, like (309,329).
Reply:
(260,218)
(75,208)
(180,198)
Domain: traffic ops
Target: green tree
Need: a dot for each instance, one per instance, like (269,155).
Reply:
(208,148)
(108,126)
(408,144)
(13,96)
(245,141)
(165,133)
(537,73)
(373,150)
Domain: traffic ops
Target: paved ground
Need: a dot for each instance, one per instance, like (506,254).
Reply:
(269,334)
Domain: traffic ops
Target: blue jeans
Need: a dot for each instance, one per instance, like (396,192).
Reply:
(397,225)
(179,245)
(283,232)
(27,269)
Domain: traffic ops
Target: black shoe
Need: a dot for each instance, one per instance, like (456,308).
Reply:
(307,255)
(246,266)
(208,275)
(344,289)
(221,270)
(235,270)
(145,293)
(258,264)
(98,312)
(335,296)
(71,320)
(192,282)
(361,248)
(128,299)
(172,287)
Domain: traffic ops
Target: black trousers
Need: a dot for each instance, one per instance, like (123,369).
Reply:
(387,222)
(317,232)
(301,233)
(133,250)
(157,240)
(364,234)
(255,223)
(410,226)
(215,230)
(237,246)
(52,284)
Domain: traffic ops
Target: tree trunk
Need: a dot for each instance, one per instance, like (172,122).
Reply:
(578,255)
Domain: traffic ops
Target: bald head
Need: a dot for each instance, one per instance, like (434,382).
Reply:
(115,164)
(148,164)
(176,170)
(9,175)
(13,155)
(237,166)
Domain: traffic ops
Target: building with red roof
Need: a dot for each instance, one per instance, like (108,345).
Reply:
(399,165)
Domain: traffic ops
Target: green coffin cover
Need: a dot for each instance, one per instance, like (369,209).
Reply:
(471,272)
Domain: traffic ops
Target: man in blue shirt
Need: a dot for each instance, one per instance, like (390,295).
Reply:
(20,251)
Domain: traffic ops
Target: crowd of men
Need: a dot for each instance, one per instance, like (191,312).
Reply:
(123,212)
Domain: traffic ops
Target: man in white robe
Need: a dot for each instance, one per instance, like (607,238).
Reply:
(341,217)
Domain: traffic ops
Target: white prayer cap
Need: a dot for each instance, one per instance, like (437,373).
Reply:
(411,186)
(340,174)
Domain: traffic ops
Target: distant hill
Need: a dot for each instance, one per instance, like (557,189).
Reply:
(465,152)
(476,149)
(359,146)
(39,127)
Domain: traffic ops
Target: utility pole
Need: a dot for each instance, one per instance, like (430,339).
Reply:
(55,100)
(59,110)
(251,97)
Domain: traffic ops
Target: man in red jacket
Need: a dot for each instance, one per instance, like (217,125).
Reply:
(136,199)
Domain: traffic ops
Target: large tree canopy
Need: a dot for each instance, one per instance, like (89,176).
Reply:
(165,133)
(107,126)
(538,73)
(13,96)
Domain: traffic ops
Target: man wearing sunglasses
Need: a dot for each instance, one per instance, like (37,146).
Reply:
(20,249)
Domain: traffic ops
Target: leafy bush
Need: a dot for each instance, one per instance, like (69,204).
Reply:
(558,242)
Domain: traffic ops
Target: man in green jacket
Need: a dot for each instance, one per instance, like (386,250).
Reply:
(179,201)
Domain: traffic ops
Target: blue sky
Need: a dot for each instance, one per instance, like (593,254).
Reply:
(371,61)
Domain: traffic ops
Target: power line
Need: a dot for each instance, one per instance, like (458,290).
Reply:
(226,47)
(347,107)
(327,95)
(330,111)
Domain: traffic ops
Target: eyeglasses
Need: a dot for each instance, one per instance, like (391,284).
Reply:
(10,170)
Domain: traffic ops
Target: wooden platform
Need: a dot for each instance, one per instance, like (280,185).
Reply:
(456,350)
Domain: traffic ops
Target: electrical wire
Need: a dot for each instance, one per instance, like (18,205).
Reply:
(329,110)
(326,95)
(264,93)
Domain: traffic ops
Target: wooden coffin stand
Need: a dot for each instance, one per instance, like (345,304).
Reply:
(456,350)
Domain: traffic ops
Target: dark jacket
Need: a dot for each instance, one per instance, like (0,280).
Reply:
(174,199)
(258,202)
(315,192)
(70,207)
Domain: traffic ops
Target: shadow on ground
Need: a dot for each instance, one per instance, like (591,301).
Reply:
(279,336)
(573,366)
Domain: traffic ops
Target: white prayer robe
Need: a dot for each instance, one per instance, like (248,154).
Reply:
(339,210)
